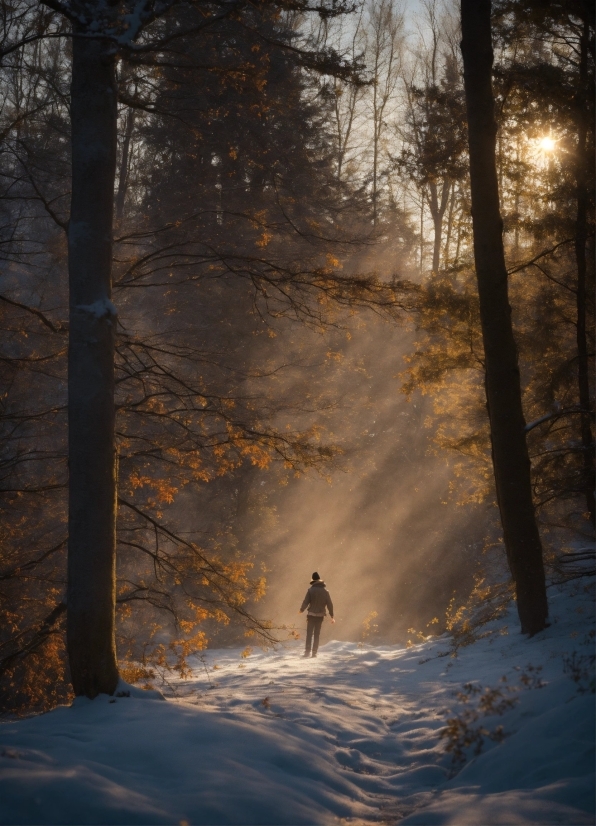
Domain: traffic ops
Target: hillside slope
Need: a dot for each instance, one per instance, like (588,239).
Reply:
(351,737)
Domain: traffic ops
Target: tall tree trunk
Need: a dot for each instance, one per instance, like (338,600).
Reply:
(449,226)
(421,232)
(437,210)
(375,170)
(123,174)
(459,239)
(92,459)
(581,238)
(511,462)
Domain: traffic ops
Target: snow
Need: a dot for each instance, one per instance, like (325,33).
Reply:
(349,737)
(555,414)
(101,308)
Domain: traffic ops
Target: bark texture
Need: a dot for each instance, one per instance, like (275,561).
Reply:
(581,239)
(509,450)
(92,459)
(123,175)
(437,211)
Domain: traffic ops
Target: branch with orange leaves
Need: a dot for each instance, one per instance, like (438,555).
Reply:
(222,586)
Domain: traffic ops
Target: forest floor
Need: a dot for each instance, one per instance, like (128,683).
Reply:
(350,737)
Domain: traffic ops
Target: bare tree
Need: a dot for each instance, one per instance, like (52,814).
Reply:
(584,121)
(433,133)
(384,33)
(347,99)
(92,319)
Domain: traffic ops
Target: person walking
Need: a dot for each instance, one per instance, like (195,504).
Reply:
(317,601)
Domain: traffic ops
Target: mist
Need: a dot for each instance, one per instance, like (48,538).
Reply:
(383,530)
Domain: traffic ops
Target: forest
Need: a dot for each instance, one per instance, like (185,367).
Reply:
(289,286)
(275,258)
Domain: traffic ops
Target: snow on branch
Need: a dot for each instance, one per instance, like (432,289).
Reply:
(102,308)
(103,19)
(556,414)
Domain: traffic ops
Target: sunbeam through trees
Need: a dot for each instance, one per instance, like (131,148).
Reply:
(288,286)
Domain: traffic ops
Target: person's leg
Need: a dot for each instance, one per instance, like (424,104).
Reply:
(309,631)
(318,622)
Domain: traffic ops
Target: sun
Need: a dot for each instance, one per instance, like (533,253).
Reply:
(547,144)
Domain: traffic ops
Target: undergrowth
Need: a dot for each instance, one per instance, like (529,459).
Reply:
(580,668)
(466,732)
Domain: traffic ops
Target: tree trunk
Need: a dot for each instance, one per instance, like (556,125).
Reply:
(421,232)
(449,226)
(375,171)
(581,238)
(437,209)
(92,459)
(511,462)
(123,176)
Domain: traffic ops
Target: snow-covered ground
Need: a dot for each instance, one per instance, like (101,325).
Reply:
(351,737)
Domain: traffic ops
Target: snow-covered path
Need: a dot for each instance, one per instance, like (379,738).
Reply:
(351,737)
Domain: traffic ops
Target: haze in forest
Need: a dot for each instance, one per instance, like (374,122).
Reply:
(380,527)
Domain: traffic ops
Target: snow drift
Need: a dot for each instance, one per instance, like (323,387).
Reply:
(354,734)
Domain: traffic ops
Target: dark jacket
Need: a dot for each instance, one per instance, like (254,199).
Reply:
(317,599)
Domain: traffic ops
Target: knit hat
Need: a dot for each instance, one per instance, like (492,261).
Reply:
(315,576)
